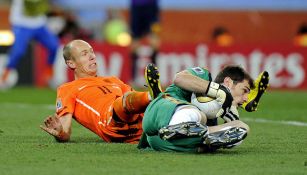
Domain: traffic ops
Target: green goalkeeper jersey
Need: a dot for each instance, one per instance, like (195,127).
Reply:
(182,94)
(160,111)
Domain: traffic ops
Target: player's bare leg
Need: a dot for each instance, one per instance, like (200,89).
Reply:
(8,78)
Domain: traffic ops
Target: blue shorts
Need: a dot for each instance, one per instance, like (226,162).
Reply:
(24,35)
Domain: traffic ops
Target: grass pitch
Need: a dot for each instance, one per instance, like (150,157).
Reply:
(277,143)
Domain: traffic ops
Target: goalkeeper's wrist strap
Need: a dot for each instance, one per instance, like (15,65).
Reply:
(212,89)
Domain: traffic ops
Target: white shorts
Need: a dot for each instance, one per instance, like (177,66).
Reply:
(185,113)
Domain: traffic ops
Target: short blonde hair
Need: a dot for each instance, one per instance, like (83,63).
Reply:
(67,51)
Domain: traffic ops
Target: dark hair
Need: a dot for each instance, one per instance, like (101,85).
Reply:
(236,73)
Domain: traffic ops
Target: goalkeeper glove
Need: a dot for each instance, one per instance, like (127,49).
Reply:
(232,115)
(222,96)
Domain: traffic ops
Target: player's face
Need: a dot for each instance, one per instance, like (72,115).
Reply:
(85,59)
(239,92)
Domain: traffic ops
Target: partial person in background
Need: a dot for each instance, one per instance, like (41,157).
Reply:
(66,26)
(144,24)
(115,29)
(300,38)
(29,21)
(222,37)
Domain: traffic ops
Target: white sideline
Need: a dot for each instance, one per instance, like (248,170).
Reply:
(261,120)
(257,120)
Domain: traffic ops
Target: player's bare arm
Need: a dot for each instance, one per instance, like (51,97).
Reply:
(59,127)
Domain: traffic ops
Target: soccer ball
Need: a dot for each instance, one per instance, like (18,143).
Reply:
(206,104)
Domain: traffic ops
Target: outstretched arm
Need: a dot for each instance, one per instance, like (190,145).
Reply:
(59,127)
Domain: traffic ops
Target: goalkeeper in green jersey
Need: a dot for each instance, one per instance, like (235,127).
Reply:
(172,123)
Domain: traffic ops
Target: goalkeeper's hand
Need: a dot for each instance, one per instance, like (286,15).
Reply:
(222,96)
(232,115)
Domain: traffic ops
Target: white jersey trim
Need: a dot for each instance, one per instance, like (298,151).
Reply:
(88,107)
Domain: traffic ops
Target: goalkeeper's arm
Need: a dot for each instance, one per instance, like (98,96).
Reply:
(189,82)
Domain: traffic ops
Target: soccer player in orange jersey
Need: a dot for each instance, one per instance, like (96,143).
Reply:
(104,105)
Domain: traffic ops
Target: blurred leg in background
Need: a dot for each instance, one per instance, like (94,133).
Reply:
(145,28)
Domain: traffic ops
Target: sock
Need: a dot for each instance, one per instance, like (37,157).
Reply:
(128,106)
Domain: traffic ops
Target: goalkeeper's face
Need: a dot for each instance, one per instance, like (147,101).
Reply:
(239,92)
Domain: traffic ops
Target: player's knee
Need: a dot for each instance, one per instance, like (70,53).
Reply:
(241,124)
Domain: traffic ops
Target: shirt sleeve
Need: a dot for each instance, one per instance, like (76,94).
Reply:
(200,72)
(65,102)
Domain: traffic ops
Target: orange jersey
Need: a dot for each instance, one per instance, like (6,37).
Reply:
(91,101)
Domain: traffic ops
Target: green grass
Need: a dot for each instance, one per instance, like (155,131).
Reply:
(271,148)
